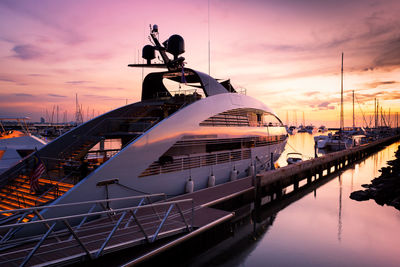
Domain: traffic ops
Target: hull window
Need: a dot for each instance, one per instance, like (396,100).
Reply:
(186,163)
(234,150)
(243,117)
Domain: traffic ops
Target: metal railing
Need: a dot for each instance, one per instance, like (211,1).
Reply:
(96,231)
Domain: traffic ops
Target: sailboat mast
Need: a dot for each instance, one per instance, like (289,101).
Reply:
(341,99)
(375,113)
(353,112)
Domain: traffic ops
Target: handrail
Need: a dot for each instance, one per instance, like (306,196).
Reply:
(75,216)
(51,188)
(93,238)
(82,203)
(88,132)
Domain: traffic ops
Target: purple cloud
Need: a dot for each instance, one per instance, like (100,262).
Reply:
(23,95)
(27,52)
(325,105)
(55,95)
(77,82)
(5,79)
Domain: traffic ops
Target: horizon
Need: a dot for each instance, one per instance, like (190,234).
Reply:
(285,53)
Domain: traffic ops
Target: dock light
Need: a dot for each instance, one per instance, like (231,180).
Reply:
(155,28)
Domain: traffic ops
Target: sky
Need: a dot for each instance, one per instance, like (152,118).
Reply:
(286,53)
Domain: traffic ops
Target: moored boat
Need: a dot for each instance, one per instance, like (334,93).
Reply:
(166,140)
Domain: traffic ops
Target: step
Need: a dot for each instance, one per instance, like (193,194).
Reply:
(27,197)
(64,187)
(11,204)
(47,181)
(16,199)
(28,192)
(26,186)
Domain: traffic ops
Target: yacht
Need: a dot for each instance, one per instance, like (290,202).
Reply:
(310,129)
(16,144)
(161,144)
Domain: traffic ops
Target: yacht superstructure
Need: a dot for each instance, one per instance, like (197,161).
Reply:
(165,140)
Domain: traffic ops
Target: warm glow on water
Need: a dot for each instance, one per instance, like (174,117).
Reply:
(325,227)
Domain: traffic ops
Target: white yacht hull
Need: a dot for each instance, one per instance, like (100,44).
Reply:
(134,159)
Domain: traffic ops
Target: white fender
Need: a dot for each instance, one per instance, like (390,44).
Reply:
(251,170)
(211,180)
(189,186)
(234,174)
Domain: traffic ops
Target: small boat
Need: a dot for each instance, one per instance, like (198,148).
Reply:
(292,130)
(294,157)
(310,129)
(322,140)
(322,129)
(302,129)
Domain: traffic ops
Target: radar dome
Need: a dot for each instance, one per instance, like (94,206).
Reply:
(176,45)
(148,53)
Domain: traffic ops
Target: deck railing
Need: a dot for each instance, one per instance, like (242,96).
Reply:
(96,231)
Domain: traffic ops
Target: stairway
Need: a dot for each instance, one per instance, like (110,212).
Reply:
(17,194)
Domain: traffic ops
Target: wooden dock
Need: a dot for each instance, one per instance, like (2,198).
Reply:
(178,219)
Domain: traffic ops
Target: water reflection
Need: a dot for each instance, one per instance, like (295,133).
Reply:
(340,210)
(328,228)
(302,143)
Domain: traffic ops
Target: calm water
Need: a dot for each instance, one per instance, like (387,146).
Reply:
(323,228)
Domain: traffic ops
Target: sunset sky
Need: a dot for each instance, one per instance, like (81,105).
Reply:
(287,53)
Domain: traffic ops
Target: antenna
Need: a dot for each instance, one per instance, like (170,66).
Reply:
(341,100)
(209,43)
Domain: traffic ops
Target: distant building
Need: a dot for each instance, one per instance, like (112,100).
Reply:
(42,120)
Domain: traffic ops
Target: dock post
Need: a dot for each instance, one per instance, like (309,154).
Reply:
(296,183)
(315,150)
(309,177)
(257,191)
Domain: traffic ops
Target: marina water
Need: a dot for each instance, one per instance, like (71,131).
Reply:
(322,228)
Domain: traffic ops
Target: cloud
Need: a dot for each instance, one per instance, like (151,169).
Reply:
(77,82)
(379,83)
(48,16)
(6,79)
(27,52)
(23,94)
(55,95)
(325,105)
(390,55)
(311,93)
(37,75)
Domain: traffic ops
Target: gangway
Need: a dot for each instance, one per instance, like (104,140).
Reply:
(91,234)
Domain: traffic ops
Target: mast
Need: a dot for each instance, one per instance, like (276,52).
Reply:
(341,99)
(209,43)
(375,113)
(353,112)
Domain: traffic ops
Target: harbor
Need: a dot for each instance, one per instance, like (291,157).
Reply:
(201,216)
(154,134)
